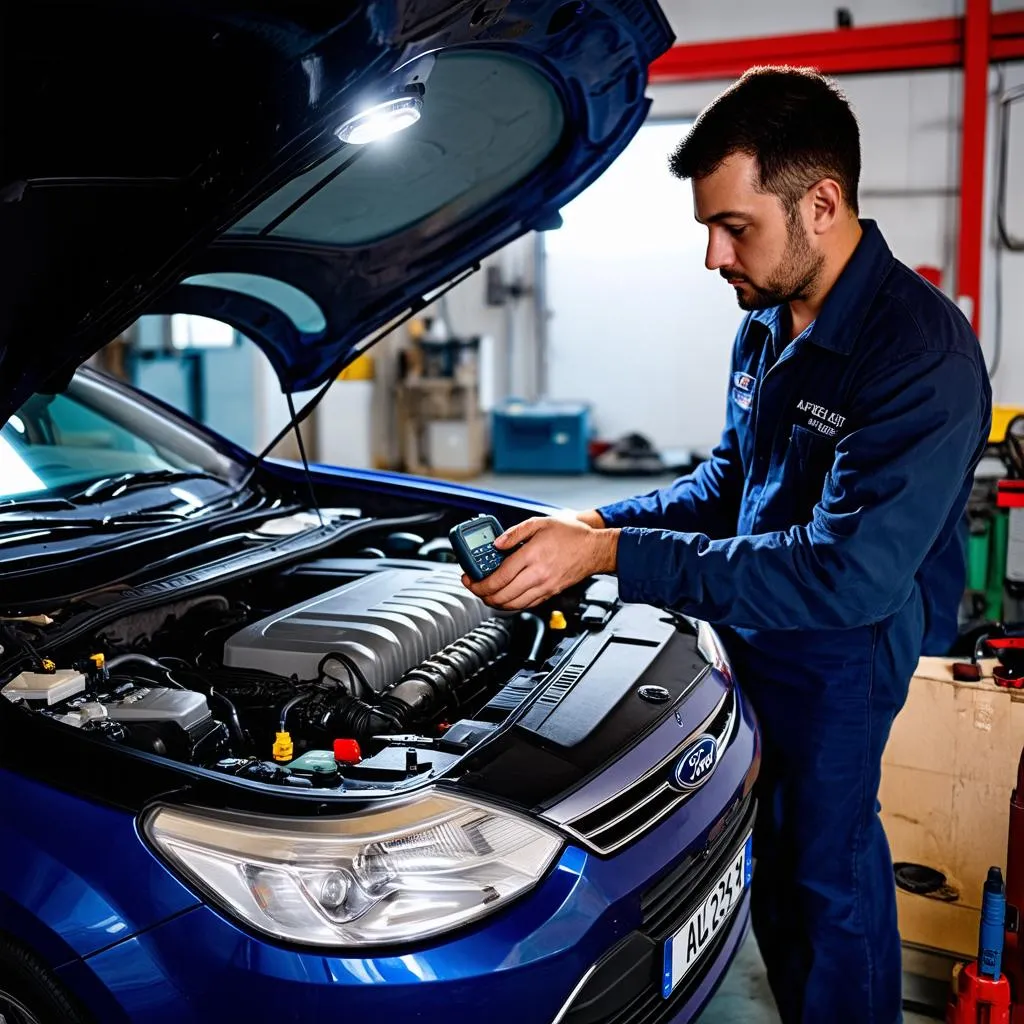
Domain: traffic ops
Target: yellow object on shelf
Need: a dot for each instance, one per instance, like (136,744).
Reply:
(1001,417)
(417,329)
(361,368)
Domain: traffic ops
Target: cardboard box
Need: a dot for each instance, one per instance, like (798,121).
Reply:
(947,774)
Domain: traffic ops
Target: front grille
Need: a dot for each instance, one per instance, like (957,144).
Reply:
(665,907)
(650,1007)
(669,902)
(640,806)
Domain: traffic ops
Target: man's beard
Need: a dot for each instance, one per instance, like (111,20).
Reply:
(792,280)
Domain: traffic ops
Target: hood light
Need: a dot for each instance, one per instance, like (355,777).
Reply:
(380,121)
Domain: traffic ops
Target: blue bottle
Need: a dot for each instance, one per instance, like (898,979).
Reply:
(993,924)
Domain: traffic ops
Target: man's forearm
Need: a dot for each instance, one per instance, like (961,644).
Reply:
(606,547)
(606,550)
(591,518)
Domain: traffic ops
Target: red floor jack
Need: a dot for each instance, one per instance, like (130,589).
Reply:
(982,993)
(991,989)
(1013,953)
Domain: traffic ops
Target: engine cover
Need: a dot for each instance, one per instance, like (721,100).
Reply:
(386,622)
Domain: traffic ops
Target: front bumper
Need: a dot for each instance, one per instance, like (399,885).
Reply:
(552,955)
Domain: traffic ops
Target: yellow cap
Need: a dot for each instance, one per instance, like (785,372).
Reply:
(99,660)
(361,368)
(283,748)
(48,665)
(557,620)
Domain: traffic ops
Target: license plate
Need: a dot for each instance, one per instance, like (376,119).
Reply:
(684,948)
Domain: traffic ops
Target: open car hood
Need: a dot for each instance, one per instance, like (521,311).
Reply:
(175,156)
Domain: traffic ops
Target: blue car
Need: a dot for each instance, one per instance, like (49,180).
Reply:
(262,756)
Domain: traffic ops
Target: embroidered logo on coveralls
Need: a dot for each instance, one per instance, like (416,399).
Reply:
(821,419)
(743,385)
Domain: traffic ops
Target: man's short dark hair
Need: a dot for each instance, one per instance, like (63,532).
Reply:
(793,121)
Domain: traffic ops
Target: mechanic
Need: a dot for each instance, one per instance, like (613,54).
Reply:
(824,535)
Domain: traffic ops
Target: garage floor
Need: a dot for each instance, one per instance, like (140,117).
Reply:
(744,997)
(578,492)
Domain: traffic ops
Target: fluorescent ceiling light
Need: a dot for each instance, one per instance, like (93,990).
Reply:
(381,120)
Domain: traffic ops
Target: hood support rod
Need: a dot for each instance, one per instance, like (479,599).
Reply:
(303,414)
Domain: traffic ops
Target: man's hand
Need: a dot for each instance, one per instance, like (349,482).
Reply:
(557,552)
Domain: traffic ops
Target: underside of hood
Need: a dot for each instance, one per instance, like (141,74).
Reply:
(173,156)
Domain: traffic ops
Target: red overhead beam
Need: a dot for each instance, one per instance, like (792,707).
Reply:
(1007,36)
(905,46)
(977,41)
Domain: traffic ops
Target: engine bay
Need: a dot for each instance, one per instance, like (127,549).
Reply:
(366,671)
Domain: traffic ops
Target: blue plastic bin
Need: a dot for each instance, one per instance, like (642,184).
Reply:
(540,437)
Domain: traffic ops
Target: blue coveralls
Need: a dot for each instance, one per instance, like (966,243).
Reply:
(824,536)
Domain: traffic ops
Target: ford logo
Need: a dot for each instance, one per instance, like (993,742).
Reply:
(694,768)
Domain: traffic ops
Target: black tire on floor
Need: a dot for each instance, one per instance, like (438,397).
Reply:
(29,994)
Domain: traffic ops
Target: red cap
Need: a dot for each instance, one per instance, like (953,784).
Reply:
(347,751)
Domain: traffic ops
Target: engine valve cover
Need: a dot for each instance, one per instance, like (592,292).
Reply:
(386,622)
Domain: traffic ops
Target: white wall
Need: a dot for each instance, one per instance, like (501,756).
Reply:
(639,328)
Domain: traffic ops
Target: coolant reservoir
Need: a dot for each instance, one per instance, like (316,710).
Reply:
(317,765)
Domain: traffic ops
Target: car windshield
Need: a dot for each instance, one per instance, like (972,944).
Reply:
(59,444)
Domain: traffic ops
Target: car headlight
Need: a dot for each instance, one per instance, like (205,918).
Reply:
(394,874)
(711,650)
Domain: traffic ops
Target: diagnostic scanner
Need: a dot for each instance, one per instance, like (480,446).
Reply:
(473,544)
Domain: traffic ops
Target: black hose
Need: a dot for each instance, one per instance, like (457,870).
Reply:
(166,679)
(538,624)
(142,659)
(354,718)
(234,722)
(297,699)
(355,673)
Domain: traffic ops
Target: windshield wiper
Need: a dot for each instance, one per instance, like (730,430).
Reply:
(36,505)
(114,486)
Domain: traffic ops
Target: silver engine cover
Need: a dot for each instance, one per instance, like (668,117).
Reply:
(160,704)
(387,622)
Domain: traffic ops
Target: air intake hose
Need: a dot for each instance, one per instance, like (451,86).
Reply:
(424,690)
(358,720)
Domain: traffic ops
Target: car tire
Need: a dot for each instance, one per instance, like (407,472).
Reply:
(29,994)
